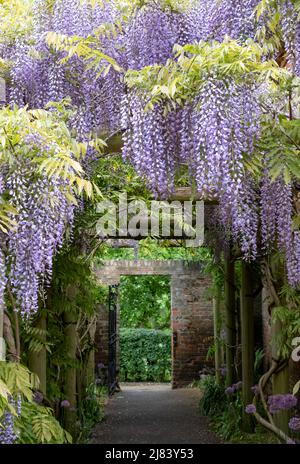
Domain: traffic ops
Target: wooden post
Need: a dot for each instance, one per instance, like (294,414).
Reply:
(90,371)
(229,290)
(10,342)
(216,310)
(70,414)
(91,358)
(87,374)
(2,341)
(247,340)
(37,360)
(2,308)
(280,380)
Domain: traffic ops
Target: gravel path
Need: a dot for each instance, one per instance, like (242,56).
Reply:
(153,414)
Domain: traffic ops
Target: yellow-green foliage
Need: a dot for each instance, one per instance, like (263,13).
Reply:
(63,160)
(129,6)
(182,77)
(15,379)
(89,49)
(15,19)
(36,423)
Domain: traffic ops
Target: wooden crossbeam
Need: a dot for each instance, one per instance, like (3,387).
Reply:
(114,145)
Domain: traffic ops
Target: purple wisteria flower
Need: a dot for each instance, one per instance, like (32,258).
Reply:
(294,424)
(65,404)
(233,388)
(7,432)
(211,133)
(230,390)
(290,442)
(255,389)
(237,386)
(223,371)
(279,402)
(250,409)
(38,397)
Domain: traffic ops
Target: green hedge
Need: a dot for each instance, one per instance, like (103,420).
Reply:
(145,355)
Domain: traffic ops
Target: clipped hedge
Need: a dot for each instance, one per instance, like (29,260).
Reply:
(145,355)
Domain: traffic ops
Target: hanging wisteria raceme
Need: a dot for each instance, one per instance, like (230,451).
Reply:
(214,19)
(43,215)
(8,434)
(150,37)
(3,278)
(276,223)
(290,26)
(211,134)
(215,132)
(38,76)
(151,142)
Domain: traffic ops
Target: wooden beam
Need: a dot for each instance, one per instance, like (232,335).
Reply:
(247,340)
(229,294)
(115,144)
(187,194)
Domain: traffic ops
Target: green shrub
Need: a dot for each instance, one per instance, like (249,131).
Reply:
(224,411)
(145,355)
(213,400)
(91,410)
(145,302)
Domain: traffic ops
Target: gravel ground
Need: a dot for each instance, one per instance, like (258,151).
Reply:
(153,414)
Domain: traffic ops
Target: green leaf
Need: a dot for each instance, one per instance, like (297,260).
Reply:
(4,391)
(296,388)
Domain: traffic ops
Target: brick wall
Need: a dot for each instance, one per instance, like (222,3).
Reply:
(192,326)
(101,336)
(191,313)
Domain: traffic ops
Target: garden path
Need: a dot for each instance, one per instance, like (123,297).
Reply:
(153,414)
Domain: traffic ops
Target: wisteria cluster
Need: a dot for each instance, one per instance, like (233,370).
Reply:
(278,403)
(233,388)
(250,409)
(294,424)
(65,404)
(150,143)
(150,37)
(3,278)
(276,221)
(211,134)
(43,215)
(290,26)
(8,434)
(38,76)
(213,20)
(7,431)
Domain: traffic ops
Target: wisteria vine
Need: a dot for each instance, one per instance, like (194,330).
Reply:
(210,134)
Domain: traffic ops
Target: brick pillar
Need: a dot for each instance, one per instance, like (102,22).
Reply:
(101,337)
(192,326)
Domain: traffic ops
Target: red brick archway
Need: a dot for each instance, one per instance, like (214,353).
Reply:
(191,312)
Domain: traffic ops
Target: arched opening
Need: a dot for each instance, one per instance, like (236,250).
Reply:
(191,318)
